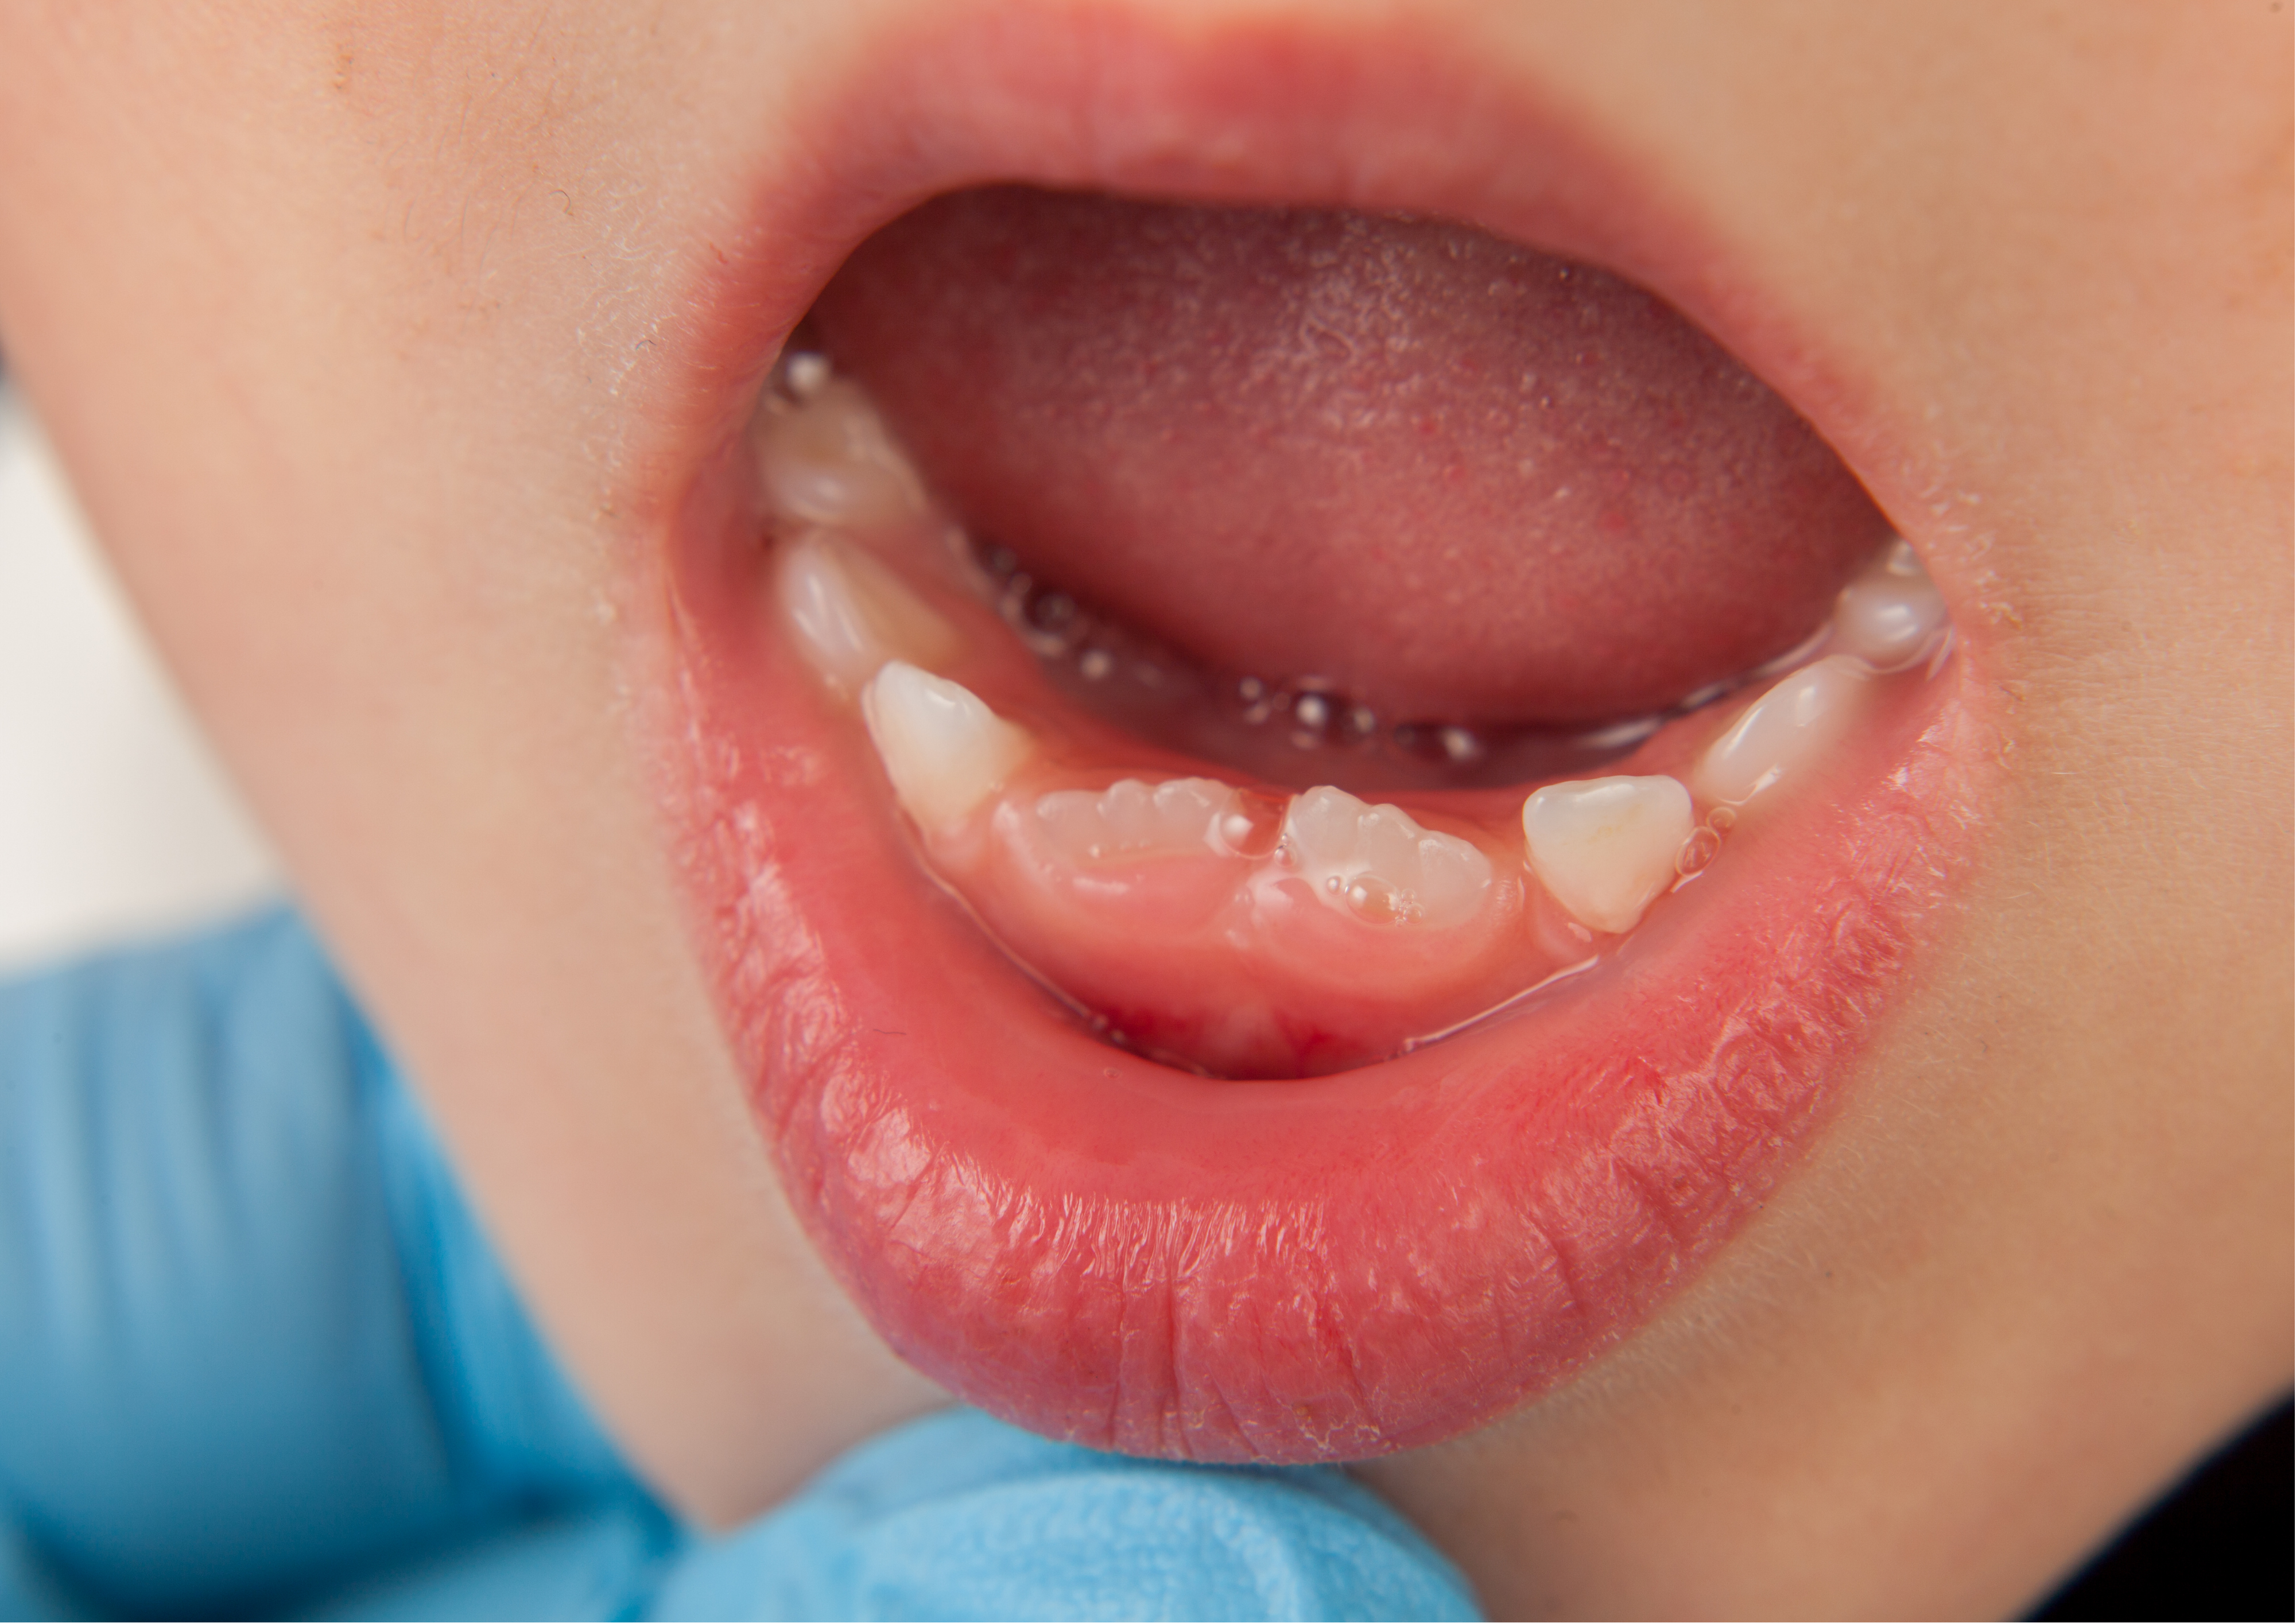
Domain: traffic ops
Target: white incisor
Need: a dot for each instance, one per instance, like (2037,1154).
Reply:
(1379,863)
(946,751)
(1605,848)
(850,614)
(1783,731)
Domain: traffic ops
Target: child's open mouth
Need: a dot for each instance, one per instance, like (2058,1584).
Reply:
(1197,848)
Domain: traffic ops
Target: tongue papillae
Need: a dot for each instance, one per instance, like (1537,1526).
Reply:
(1451,477)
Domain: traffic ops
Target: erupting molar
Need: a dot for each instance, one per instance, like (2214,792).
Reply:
(945,751)
(1131,819)
(1891,614)
(1379,863)
(852,614)
(1782,731)
(826,458)
(1605,848)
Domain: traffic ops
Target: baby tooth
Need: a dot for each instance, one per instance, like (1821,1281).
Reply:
(852,614)
(1131,818)
(1888,615)
(831,460)
(1782,731)
(1605,847)
(1379,863)
(944,749)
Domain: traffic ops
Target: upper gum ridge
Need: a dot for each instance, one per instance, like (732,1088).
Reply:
(1231,928)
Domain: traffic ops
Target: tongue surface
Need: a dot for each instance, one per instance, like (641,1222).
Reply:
(1453,477)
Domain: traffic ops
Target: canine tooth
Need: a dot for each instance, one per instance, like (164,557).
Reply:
(830,459)
(852,614)
(945,751)
(1780,733)
(1604,848)
(1378,863)
(1130,818)
(1889,613)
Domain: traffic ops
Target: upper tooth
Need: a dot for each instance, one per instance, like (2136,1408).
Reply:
(851,613)
(945,751)
(1131,818)
(831,460)
(1782,731)
(1376,860)
(1888,615)
(1605,847)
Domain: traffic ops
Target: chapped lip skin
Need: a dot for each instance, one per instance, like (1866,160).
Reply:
(1105,1249)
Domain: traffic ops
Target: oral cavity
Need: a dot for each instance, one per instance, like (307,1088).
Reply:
(1231,927)
(1452,480)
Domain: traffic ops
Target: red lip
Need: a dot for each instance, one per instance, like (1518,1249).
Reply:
(1105,1250)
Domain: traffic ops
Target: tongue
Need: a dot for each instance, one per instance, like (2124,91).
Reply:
(1445,475)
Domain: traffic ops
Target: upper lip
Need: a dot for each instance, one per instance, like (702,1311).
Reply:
(1257,1308)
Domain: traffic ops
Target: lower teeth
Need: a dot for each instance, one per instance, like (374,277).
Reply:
(1601,849)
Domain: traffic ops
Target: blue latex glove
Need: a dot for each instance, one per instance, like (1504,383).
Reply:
(256,1358)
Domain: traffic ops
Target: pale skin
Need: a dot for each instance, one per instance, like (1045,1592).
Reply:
(293,294)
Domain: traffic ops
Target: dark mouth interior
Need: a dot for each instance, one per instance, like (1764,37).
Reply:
(1420,503)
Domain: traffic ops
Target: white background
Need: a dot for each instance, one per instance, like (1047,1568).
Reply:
(115,820)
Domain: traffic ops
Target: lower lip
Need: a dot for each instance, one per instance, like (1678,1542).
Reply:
(1105,1250)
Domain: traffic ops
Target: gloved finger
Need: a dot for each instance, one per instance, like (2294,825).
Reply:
(31,1588)
(217,1378)
(959,1516)
(599,1563)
